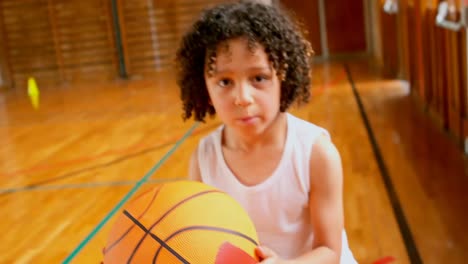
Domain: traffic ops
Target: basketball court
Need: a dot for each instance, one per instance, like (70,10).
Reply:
(68,167)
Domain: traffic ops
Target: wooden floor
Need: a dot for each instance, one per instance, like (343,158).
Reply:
(64,167)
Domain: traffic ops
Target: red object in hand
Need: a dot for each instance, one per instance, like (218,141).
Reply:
(229,254)
(384,260)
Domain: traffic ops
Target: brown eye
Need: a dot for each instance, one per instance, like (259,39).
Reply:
(224,82)
(259,78)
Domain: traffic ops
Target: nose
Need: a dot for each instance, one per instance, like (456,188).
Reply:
(244,95)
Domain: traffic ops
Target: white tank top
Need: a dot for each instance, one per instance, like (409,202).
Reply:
(283,196)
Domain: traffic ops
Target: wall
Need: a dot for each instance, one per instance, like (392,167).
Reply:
(431,58)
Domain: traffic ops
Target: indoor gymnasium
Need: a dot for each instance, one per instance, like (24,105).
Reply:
(98,131)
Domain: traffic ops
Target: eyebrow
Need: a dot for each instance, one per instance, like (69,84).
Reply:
(261,68)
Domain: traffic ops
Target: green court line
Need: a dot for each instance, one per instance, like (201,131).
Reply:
(127,196)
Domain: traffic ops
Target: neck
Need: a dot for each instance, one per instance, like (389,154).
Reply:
(274,134)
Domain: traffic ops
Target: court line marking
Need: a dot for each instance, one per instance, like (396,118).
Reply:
(405,230)
(85,241)
(82,185)
(138,146)
(67,175)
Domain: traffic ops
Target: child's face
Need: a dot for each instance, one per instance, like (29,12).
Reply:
(243,87)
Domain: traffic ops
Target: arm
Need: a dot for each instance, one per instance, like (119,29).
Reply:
(326,203)
(326,207)
(194,170)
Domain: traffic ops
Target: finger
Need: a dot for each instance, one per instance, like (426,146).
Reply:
(267,261)
(265,252)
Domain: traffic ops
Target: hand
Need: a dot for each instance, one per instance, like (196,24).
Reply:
(268,256)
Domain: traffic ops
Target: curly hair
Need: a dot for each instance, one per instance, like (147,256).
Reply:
(282,38)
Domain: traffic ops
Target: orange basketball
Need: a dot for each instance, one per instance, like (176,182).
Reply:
(182,222)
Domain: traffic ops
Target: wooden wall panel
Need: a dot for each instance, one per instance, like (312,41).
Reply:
(464,84)
(415,30)
(345,23)
(58,41)
(454,82)
(436,58)
(29,41)
(447,90)
(403,43)
(4,67)
(434,47)
(308,13)
(83,39)
(412,47)
(438,102)
(389,41)
(151,31)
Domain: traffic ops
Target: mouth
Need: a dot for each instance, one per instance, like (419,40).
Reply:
(247,119)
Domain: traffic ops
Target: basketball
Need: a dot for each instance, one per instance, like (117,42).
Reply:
(182,222)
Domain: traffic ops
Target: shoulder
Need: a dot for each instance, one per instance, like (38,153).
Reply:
(305,128)
(325,164)
(202,153)
(325,152)
(316,140)
(207,143)
(310,142)
(322,158)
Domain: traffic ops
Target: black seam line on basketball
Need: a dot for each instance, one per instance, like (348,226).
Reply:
(166,213)
(410,244)
(140,216)
(211,228)
(160,241)
(102,165)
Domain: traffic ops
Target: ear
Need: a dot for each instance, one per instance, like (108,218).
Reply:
(230,254)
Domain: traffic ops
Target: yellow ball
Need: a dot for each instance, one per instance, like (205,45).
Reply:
(182,222)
